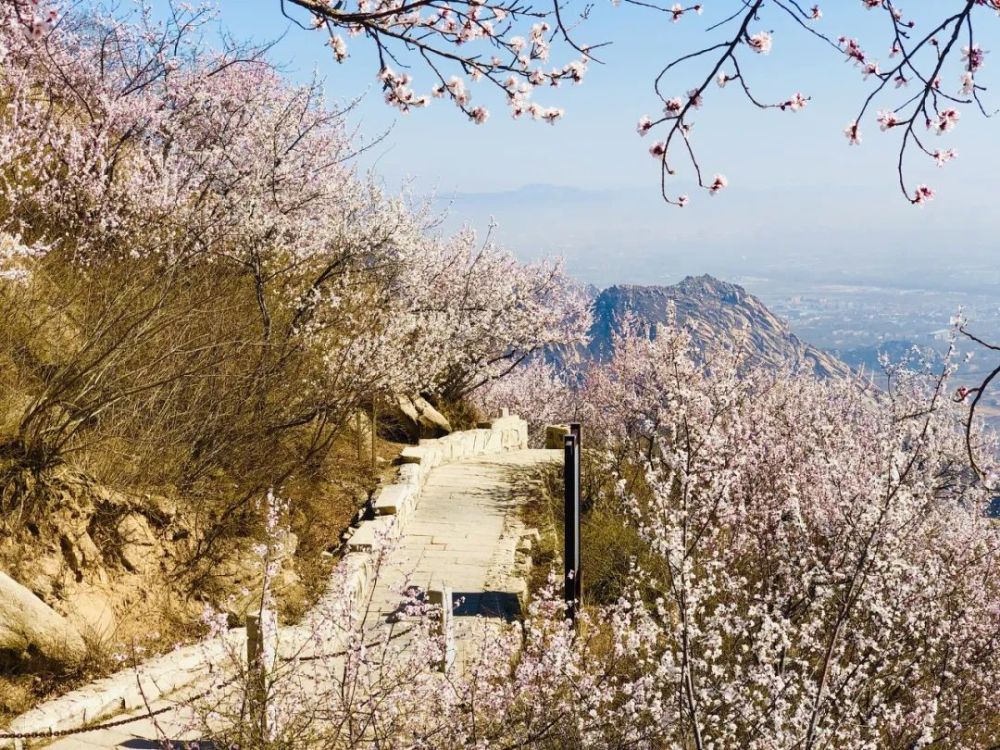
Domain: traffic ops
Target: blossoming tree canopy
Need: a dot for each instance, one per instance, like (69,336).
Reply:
(134,158)
(794,543)
(921,71)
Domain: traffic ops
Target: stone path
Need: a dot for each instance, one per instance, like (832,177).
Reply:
(461,534)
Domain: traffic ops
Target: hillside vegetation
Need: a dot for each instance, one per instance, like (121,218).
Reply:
(202,301)
(198,295)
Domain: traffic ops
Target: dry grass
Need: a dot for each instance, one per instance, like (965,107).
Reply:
(324,499)
(326,502)
(608,542)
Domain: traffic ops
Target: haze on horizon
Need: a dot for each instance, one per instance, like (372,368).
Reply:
(804,211)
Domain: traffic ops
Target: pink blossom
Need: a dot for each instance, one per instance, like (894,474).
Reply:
(760,42)
(922,195)
(942,157)
(853,50)
(887,119)
(853,133)
(795,103)
(673,106)
(968,83)
(974,57)
(644,126)
(870,69)
(552,114)
(947,119)
(658,150)
(339,48)
(718,183)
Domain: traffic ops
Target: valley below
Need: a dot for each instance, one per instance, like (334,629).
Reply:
(857,322)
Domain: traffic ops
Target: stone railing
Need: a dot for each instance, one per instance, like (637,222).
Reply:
(355,574)
(393,503)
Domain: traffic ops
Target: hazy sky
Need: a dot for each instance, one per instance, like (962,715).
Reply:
(800,200)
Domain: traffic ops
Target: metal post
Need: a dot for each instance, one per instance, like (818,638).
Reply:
(444,598)
(575,431)
(571,547)
(358,440)
(256,674)
(374,431)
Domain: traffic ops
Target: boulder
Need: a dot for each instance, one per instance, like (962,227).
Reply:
(420,419)
(44,574)
(160,509)
(431,422)
(80,551)
(27,624)
(407,409)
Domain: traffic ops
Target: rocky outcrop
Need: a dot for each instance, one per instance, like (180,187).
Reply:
(713,312)
(421,419)
(139,550)
(98,560)
(30,626)
(351,587)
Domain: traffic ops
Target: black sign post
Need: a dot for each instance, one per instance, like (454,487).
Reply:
(574,430)
(571,550)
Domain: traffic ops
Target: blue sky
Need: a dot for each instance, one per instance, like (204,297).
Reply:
(799,197)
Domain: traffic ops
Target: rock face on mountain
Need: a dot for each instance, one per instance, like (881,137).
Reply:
(713,312)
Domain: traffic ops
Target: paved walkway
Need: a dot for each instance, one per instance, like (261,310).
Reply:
(462,534)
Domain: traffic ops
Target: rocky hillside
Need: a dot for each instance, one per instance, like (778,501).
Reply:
(713,311)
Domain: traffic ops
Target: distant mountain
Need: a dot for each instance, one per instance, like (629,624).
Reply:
(869,358)
(712,310)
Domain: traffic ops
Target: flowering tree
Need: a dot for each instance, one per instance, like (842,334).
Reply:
(189,263)
(922,58)
(502,42)
(819,574)
(186,224)
(972,397)
(483,313)
(922,74)
(539,390)
(339,683)
(826,556)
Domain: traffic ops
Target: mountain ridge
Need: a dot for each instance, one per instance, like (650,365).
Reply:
(713,311)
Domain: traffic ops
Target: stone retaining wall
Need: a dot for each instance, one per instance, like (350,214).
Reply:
(392,503)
